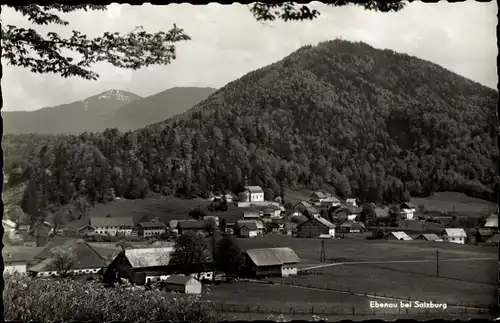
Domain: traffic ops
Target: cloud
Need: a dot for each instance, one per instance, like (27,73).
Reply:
(227,42)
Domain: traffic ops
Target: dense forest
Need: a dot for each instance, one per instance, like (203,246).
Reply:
(359,121)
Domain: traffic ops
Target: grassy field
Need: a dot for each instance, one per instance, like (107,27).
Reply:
(462,204)
(165,209)
(463,280)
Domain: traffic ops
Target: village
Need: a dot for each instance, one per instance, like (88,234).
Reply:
(114,249)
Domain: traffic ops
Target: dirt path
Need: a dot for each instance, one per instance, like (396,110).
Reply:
(392,262)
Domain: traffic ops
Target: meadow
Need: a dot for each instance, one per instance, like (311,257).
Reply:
(463,280)
(463,205)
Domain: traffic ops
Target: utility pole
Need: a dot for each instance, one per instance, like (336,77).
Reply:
(437,263)
(322,255)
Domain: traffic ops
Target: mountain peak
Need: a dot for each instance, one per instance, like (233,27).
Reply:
(116,95)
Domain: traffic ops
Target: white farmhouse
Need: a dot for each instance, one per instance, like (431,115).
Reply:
(250,228)
(455,235)
(255,193)
(351,202)
(15,263)
(407,210)
(112,226)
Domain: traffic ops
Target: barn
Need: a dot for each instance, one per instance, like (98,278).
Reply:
(139,266)
(314,227)
(88,260)
(271,262)
(399,235)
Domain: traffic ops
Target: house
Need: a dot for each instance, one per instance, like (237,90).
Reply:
(314,227)
(271,211)
(255,193)
(330,201)
(483,235)
(150,229)
(251,215)
(230,227)
(429,237)
(351,202)
(182,284)
(310,212)
(250,228)
(407,210)
(455,235)
(271,262)
(352,227)
(317,197)
(492,221)
(139,266)
(399,235)
(289,228)
(15,263)
(9,225)
(172,225)
(228,197)
(351,213)
(112,226)
(87,259)
(196,226)
(86,230)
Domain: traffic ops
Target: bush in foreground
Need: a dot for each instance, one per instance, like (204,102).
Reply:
(43,300)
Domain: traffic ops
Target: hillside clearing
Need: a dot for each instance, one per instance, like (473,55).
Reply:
(456,202)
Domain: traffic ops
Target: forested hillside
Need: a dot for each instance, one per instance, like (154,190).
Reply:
(370,123)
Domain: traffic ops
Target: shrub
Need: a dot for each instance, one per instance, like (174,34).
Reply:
(43,300)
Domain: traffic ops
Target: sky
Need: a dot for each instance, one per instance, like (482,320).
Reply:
(227,42)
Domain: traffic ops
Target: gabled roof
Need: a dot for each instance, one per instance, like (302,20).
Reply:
(254,189)
(400,235)
(111,222)
(148,257)
(9,223)
(430,237)
(161,244)
(86,257)
(485,232)
(455,232)
(178,280)
(320,195)
(311,210)
(325,222)
(352,225)
(303,204)
(408,205)
(330,199)
(492,221)
(250,224)
(151,225)
(321,220)
(272,256)
(251,214)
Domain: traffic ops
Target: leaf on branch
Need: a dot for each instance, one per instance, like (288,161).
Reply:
(290,11)
(27,48)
